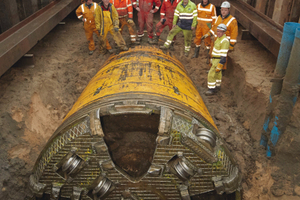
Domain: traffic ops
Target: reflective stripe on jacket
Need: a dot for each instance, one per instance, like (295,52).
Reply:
(221,47)
(232,28)
(87,13)
(167,9)
(185,17)
(99,17)
(206,14)
(124,8)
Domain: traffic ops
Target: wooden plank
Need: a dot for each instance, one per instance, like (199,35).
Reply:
(34,4)
(266,31)
(295,12)
(21,10)
(282,11)
(251,2)
(27,8)
(5,16)
(270,8)
(246,35)
(261,6)
(14,12)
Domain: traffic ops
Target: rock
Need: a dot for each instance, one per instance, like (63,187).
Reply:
(277,191)
(221,117)
(297,190)
(265,190)
(246,125)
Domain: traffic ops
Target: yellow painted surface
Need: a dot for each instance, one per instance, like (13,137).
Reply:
(143,71)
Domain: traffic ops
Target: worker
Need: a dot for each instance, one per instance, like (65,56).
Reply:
(185,20)
(107,20)
(166,18)
(145,15)
(227,19)
(219,57)
(206,17)
(125,12)
(85,12)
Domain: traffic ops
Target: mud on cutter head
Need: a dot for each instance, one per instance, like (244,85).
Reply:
(136,137)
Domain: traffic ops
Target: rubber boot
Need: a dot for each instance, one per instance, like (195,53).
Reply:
(163,47)
(150,41)
(186,54)
(210,92)
(196,54)
(155,40)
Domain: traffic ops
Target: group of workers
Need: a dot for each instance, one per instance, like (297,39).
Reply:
(179,15)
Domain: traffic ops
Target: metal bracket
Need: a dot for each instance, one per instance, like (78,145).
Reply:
(95,124)
(165,122)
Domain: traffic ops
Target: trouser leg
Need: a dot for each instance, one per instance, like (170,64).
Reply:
(118,38)
(207,41)
(169,23)
(141,21)
(89,37)
(187,40)
(122,23)
(211,79)
(218,76)
(149,23)
(132,31)
(197,39)
(171,35)
(159,28)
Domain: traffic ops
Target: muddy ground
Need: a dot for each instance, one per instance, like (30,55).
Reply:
(35,99)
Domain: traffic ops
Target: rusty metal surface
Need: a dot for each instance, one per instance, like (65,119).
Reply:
(264,29)
(160,182)
(14,46)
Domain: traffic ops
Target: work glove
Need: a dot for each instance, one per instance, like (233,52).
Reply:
(116,30)
(219,67)
(130,21)
(205,36)
(163,21)
(231,48)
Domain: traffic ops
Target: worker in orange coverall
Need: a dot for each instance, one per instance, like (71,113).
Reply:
(125,11)
(231,24)
(166,18)
(85,12)
(145,14)
(206,17)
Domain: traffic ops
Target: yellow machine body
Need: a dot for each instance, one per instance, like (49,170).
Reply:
(139,130)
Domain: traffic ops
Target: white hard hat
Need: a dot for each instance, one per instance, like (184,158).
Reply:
(225,4)
(222,27)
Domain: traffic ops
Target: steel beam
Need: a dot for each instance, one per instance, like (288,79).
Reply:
(21,40)
(264,29)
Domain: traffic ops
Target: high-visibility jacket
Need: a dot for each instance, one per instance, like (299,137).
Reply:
(232,28)
(88,14)
(221,47)
(124,8)
(147,5)
(99,19)
(206,14)
(167,9)
(185,17)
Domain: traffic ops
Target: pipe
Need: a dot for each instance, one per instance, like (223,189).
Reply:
(288,95)
(287,41)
